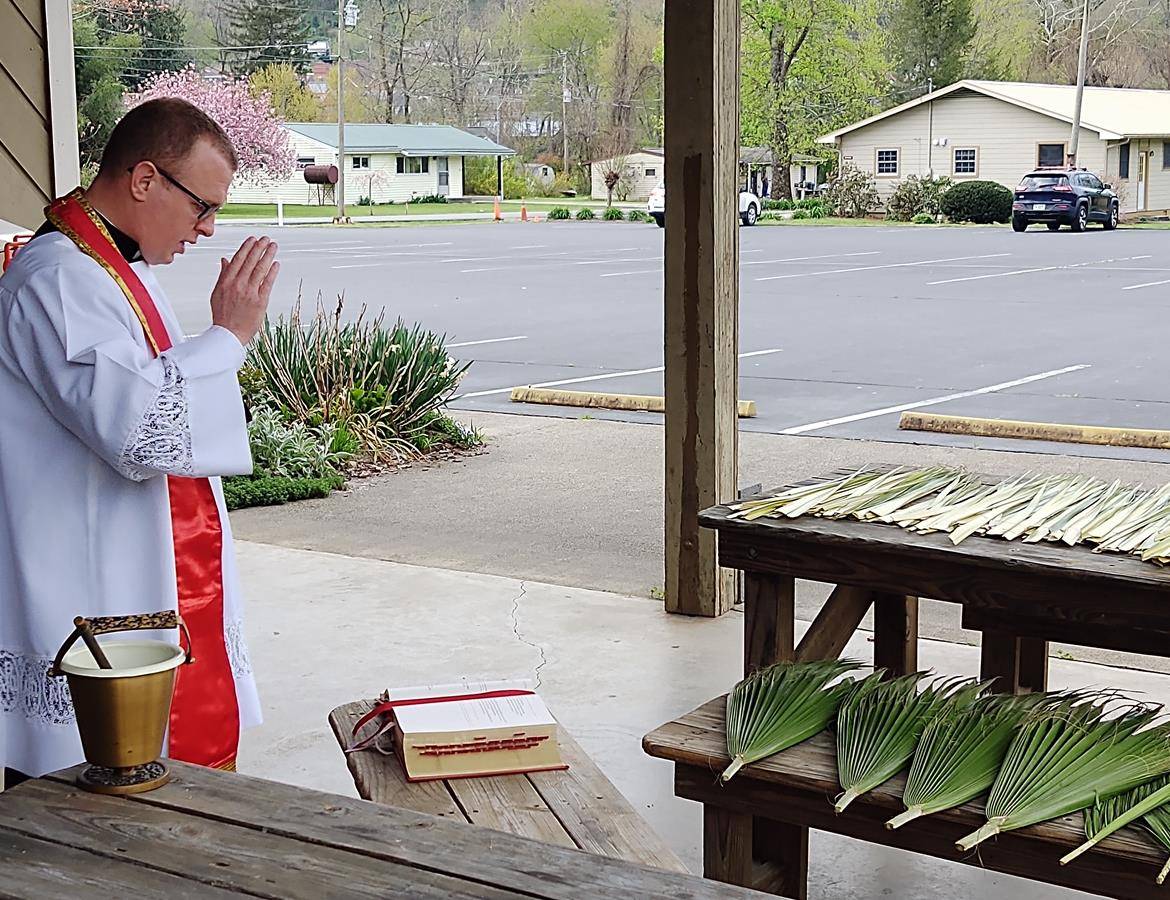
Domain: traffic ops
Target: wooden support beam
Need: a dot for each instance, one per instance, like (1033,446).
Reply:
(835,623)
(895,633)
(701,82)
(769,627)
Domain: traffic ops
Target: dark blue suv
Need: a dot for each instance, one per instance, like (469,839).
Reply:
(1056,197)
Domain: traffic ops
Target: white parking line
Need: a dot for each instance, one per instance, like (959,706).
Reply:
(920,262)
(885,411)
(1134,287)
(1083,265)
(606,262)
(637,272)
(357,265)
(529,247)
(602,377)
(518,337)
(765,262)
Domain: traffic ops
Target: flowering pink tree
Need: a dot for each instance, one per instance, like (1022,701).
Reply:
(257,133)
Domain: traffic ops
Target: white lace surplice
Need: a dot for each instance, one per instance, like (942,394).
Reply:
(89,422)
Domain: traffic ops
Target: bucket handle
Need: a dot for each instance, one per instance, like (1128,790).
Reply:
(158,621)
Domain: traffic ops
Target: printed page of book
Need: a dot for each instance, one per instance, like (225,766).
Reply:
(525,711)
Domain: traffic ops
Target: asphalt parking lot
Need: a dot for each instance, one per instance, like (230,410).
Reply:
(841,328)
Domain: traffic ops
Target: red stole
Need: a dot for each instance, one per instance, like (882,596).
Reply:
(205,718)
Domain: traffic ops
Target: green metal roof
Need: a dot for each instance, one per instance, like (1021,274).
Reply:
(409,140)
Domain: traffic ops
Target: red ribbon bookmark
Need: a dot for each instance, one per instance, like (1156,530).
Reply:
(386,706)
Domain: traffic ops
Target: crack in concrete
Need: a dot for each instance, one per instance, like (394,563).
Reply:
(516,631)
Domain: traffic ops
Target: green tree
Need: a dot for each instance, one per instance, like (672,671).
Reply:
(100,65)
(162,31)
(807,66)
(291,100)
(930,40)
(268,32)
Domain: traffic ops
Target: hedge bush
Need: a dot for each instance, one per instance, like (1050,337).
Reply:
(852,193)
(637,215)
(783,203)
(917,195)
(270,490)
(585,214)
(981,202)
(559,213)
(924,219)
(613,214)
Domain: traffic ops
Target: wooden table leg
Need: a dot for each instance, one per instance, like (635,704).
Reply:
(769,611)
(782,850)
(895,633)
(1019,665)
(727,846)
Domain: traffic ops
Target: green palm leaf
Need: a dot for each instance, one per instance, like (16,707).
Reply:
(781,705)
(1104,812)
(1067,755)
(880,722)
(960,753)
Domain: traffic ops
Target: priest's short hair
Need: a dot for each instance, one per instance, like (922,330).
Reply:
(164,131)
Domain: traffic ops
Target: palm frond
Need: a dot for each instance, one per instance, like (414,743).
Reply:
(880,722)
(781,705)
(960,753)
(1067,755)
(1105,813)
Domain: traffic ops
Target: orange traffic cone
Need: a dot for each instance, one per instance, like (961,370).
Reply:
(523,212)
(496,208)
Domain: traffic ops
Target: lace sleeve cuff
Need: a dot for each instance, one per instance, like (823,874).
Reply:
(161,442)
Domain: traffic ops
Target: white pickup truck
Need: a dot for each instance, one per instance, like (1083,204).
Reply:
(749,206)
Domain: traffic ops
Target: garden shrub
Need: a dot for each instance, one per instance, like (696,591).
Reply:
(559,213)
(923,218)
(638,215)
(613,214)
(429,198)
(917,195)
(981,202)
(851,193)
(267,490)
(585,214)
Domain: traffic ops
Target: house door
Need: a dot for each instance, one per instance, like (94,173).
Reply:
(444,175)
(1143,179)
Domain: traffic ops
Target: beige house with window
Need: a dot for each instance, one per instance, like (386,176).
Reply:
(998,131)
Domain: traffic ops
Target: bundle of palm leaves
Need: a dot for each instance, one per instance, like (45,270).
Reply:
(960,753)
(1105,813)
(781,705)
(1070,509)
(1067,755)
(880,722)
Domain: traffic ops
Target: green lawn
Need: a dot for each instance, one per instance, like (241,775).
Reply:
(298,211)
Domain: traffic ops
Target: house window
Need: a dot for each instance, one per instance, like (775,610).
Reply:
(303,162)
(650,173)
(1166,154)
(965,161)
(413,165)
(887,162)
(360,162)
(1050,155)
(1123,161)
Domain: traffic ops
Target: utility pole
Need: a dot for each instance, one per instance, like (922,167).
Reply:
(1074,140)
(347,13)
(565,111)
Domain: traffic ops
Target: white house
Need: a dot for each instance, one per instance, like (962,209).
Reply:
(999,131)
(387,163)
(643,170)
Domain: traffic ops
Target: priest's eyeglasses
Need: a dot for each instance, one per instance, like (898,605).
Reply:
(205,209)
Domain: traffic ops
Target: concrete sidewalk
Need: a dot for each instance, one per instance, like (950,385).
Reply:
(325,629)
(579,502)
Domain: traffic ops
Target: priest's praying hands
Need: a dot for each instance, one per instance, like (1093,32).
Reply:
(115,428)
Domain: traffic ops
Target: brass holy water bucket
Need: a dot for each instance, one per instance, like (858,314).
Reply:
(121,694)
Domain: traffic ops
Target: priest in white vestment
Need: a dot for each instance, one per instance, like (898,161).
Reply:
(105,412)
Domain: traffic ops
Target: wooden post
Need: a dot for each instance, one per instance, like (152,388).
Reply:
(701,293)
(895,633)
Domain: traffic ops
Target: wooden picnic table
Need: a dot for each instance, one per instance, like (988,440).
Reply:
(217,834)
(1020,596)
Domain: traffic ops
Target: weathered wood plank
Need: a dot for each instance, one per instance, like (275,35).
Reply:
(414,839)
(697,740)
(769,610)
(596,815)
(727,846)
(211,853)
(39,870)
(1044,626)
(999,659)
(895,633)
(835,624)
(509,803)
(700,79)
(1033,666)
(379,777)
(781,851)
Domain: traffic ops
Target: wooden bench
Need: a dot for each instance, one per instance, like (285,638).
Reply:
(796,787)
(574,808)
